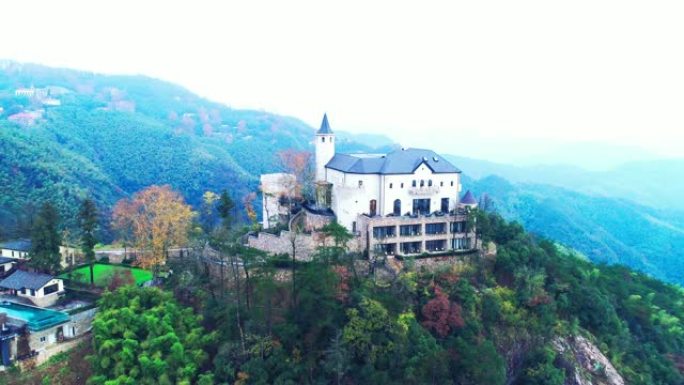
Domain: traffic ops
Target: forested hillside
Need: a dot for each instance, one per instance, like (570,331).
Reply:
(604,229)
(525,314)
(113,135)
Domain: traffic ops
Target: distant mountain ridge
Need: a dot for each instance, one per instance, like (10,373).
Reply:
(655,183)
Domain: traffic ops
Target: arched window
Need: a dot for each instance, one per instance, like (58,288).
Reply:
(397,207)
(422,183)
(373,207)
(323,139)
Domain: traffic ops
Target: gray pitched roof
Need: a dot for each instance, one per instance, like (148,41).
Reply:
(17,244)
(325,126)
(24,279)
(4,260)
(402,161)
(468,198)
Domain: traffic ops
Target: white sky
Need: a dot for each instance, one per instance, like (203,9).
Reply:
(444,75)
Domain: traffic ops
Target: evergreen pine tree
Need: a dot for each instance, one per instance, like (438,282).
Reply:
(87,217)
(45,240)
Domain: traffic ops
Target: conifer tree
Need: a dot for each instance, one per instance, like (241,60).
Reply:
(87,217)
(45,240)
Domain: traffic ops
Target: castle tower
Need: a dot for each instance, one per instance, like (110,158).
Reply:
(325,148)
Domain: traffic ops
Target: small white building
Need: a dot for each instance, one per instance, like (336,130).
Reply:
(6,265)
(41,289)
(276,189)
(17,249)
(20,249)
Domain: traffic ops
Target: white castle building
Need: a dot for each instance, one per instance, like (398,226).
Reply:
(404,202)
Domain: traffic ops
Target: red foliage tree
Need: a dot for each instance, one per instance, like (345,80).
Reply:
(343,284)
(441,315)
(120,278)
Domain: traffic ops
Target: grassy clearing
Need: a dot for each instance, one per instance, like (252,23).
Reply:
(103,274)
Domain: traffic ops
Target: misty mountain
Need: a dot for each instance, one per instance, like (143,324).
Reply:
(655,183)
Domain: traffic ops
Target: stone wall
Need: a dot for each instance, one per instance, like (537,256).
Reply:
(305,243)
(282,243)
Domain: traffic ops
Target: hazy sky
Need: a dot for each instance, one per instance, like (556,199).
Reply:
(446,75)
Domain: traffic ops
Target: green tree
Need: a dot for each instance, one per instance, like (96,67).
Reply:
(87,217)
(46,240)
(142,336)
(225,209)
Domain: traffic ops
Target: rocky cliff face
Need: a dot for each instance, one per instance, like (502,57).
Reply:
(585,364)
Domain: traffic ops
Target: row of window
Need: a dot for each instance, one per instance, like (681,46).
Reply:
(420,207)
(414,230)
(414,183)
(417,247)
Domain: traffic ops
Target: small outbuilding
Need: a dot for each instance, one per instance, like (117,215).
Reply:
(41,289)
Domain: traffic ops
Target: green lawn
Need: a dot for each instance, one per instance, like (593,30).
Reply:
(104,272)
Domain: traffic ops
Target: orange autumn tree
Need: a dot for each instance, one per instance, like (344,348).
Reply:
(156,218)
(298,163)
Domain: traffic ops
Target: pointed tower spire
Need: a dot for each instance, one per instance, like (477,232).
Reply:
(325,126)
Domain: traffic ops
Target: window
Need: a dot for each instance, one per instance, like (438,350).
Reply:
(33,292)
(452,183)
(397,207)
(413,183)
(441,184)
(13,253)
(373,207)
(23,290)
(410,230)
(430,183)
(402,185)
(384,231)
(445,205)
(435,246)
(51,289)
(354,226)
(411,247)
(421,206)
(390,185)
(458,227)
(43,339)
(323,139)
(435,228)
(360,183)
(422,183)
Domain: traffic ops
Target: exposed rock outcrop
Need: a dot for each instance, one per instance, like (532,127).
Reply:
(584,363)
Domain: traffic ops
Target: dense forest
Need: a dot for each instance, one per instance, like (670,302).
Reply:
(519,312)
